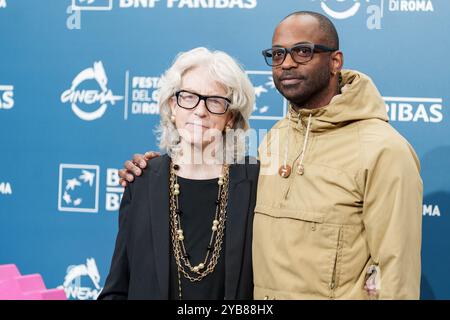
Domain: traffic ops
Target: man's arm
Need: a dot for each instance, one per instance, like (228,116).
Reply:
(134,167)
(392,216)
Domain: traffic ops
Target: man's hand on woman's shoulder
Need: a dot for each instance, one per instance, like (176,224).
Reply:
(134,167)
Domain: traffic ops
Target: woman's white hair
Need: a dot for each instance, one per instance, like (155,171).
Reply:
(228,73)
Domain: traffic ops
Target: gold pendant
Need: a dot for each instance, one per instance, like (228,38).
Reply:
(285,171)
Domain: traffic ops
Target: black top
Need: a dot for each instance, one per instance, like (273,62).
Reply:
(196,221)
(140,267)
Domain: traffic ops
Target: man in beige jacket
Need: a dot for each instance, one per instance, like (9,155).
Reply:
(344,211)
(339,202)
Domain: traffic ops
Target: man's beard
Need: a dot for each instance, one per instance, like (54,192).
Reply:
(310,86)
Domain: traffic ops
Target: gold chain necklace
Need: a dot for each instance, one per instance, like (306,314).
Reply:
(195,273)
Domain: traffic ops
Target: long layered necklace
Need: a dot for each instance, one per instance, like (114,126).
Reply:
(196,272)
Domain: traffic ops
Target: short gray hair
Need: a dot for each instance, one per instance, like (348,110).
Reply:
(227,72)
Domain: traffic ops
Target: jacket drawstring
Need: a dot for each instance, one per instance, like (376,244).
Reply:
(301,168)
(286,146)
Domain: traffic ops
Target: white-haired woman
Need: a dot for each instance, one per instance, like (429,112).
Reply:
(185,224)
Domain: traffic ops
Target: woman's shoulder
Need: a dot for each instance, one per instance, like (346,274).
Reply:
(156,167)
(156,172)
(158,162)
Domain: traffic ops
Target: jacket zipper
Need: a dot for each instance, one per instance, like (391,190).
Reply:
(291,177)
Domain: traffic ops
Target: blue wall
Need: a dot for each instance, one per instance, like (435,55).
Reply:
(58,171)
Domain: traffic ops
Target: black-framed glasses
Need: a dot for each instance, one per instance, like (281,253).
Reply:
(300,53)
(190,100)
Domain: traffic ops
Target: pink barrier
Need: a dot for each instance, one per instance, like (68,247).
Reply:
(14,286)
(8,271)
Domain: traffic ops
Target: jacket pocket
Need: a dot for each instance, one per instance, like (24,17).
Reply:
(294,251)
(307,216)
(334,281)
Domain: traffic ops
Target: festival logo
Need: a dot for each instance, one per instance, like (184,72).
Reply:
(93,97)
(82,282)
(78,188)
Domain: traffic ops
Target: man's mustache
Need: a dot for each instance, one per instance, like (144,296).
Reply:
(291,75)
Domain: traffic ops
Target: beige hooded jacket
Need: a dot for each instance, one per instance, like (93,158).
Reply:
(352,203)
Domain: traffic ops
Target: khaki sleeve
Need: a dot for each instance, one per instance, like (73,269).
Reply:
(392,217)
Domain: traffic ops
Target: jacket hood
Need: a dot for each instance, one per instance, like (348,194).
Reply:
(359,100)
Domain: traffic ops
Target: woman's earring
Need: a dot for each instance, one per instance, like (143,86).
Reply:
(172,119)
(227,128)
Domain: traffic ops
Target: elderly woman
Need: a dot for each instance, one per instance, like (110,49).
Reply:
(185,225)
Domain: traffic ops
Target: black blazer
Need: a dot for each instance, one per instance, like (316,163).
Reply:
(140,264)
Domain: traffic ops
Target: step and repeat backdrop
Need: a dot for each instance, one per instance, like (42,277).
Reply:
(78,97)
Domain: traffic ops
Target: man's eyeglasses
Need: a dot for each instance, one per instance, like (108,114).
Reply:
(300,53)
(190,100)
